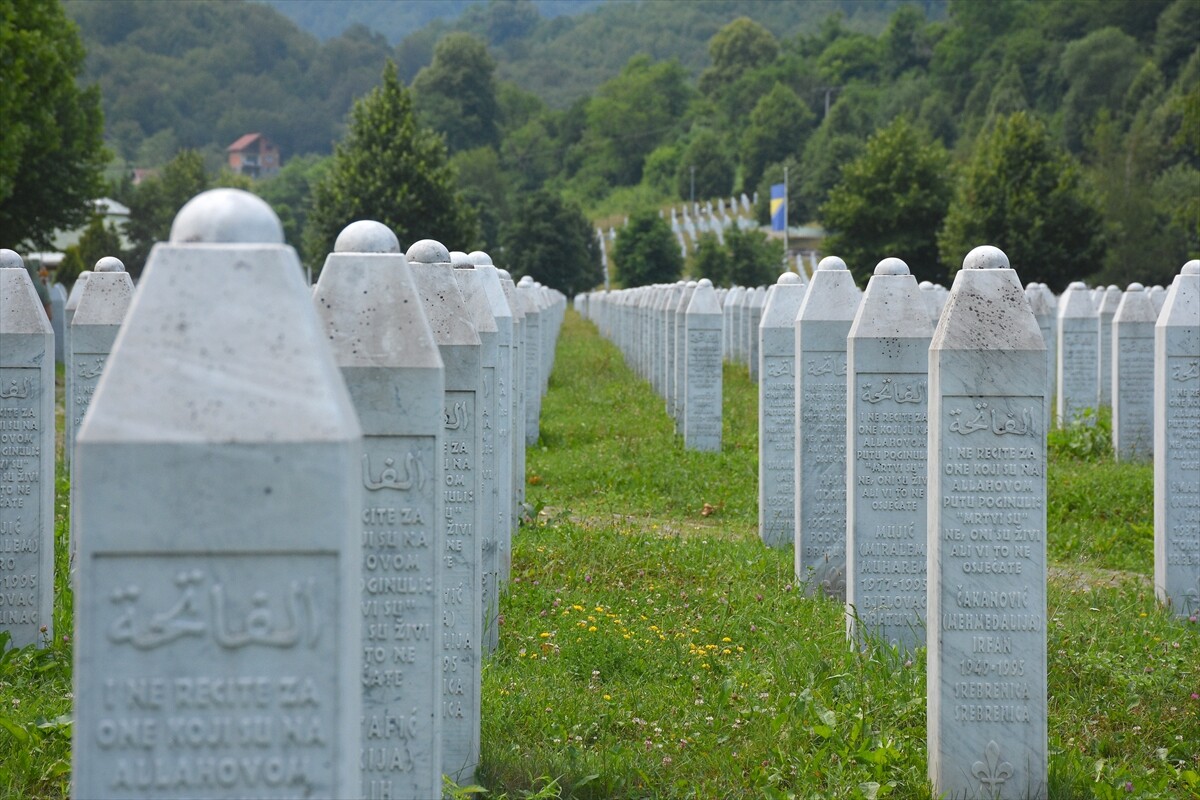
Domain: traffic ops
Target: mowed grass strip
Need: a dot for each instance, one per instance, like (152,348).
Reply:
(652,647)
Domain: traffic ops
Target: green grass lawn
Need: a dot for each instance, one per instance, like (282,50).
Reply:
(652,647)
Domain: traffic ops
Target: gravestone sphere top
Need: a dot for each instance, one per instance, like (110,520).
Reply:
(704,282)
(832,262)
(986,257)
(226,216)
(526,282)
(11,259)
(788,279)
(1077,285)
(109,264)
(480,258)
(505,275)
(460,260)
(1135,287)
(892,266)
(366,236)
(428,251)
(1191,268)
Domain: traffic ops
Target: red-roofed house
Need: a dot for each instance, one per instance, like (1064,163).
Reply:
(254,155)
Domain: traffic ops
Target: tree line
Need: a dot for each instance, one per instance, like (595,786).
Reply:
(1067,133)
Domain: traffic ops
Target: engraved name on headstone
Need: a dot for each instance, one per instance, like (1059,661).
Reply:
(1133,376)
(777,413)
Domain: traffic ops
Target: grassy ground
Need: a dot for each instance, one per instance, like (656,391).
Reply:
(653,648)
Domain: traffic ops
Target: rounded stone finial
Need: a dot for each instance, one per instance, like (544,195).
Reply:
(986,257)
(504,274)
(832,262)
(1191,268)
(109,264)
(461,260)
(226,216)
(480,258)
(366,236)
(1135,287)
(428,251)
(11,259)
(526,282)
(788,279)
(1078,286)
(691,284)
(892,266)
(704,282)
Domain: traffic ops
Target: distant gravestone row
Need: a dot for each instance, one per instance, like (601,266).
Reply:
(902,452)
(291,522)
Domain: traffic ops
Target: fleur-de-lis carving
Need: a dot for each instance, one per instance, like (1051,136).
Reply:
(994,772)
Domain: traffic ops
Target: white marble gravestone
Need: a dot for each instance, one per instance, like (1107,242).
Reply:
(776,413)
(1078,354)
(374,321)
(1133,376)
(986,706)
(678,400)
(822,325)
(518,402)
(702,373)
(887,367)
(503,314)
(1177,445)
(1041,301)
(758,301)
(729,322)
(533,357)
(470,283)
(26,458)
(58,309)
(68,315)
(1105,311)
(94,325)
(458,538)
(217,649)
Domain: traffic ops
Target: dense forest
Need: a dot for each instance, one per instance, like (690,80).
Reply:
(1067,132)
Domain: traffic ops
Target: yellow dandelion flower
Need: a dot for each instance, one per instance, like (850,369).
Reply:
(533,656)
(705,666)
(726,651)
(592,629)
(577,608)
(544,635)
(726,639)
(654,627)
(608,697)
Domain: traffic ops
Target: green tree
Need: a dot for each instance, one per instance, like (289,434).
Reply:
(754,259)
(552,241)
(778,127)
(289,192)
(156,201)
(456,94)
(740,46)
(96,242)
(711,260)
(391,170)
(891,202)
(1098,71)
(646,251)
(708,163)
(1024,195)
(51,152)
(485,188)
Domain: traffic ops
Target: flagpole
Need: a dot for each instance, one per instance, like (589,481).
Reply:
(785,217)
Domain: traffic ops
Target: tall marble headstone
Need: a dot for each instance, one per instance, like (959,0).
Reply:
(217,646)
(58,307)
(1177,445)
(381,340)
(1078,353)
(68,382)
(102,306)
(777,413)
(26,457)
(518,399)
(1133,376)
(1105,311)
(678,401)
(822,325)
(886,429)
(986,706)
(758,301)
(458,538)
(702,373)
(533,357)
(470,283)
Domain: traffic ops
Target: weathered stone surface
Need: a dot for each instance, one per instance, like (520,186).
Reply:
(68,315)
(26,458)
(1177,445)
(374,320)
(459,535)
(777,412)
(1132,380)
(822,325)
(886,447)
(702,374)
(987,734)
(217,590)
(1107,309)
(1078,353)
(94,326)
(58,307)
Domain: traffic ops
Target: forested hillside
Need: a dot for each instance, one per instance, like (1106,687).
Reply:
(1068,132)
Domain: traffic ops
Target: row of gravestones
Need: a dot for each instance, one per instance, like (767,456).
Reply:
(908,520)
(290,520)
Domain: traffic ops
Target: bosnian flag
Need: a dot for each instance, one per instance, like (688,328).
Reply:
(778,206)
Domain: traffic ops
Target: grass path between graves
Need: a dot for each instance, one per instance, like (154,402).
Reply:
(652,647)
